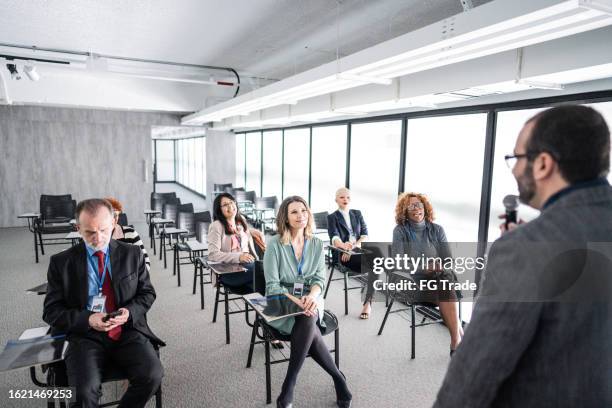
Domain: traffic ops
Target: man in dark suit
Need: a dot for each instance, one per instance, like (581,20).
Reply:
(85,283)
(541,328)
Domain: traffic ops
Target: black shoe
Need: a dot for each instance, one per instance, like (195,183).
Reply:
(344,403)
(452,352)
(280,404)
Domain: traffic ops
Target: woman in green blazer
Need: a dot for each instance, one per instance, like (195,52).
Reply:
(294,263)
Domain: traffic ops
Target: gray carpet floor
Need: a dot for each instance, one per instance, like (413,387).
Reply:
(202,371)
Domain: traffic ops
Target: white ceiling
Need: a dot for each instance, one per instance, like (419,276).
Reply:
(264,38)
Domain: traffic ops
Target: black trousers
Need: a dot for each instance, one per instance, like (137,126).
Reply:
(133,354)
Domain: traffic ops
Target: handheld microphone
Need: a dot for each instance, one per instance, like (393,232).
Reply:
(511,204)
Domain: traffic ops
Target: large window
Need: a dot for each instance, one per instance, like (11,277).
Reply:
(328,166)
(253,162)
(240,160)
(374,174)
(509,125)
(296,166)
(165,160)
(272,164)
(191,163)
(444,160)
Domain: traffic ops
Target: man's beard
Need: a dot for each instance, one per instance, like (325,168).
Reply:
(526,185)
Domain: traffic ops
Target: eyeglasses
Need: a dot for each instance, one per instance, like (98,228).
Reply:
(228,205)
(511,159)
(415,206)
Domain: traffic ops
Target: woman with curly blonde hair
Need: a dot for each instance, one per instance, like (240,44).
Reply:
(417,236)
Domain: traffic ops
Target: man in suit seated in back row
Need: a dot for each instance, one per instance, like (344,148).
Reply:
(85,283)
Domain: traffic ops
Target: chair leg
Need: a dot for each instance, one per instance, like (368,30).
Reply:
(337,347)
(345,292)
(227,318)
(216,303)
(40,240)
(413,331)
(166,253)
(252,346)
(161,238)
(329,280)
(202,290)
(36,247)
(268,379)
(382,326)
(158,398)
(196,268)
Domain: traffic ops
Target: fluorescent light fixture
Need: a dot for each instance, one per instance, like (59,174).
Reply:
(540,84)
(494,27)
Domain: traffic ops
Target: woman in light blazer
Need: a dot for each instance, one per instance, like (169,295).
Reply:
(295,260)
(230,240)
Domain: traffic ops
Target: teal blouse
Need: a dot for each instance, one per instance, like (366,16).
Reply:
(281,272)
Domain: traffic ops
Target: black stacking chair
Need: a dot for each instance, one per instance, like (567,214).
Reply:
(185,220)
(320,231)
(157,203)
(264,334)
(428,311)
(263,207)
(123,220)
(56,212)
(200,259)
(245,201)
(57,377)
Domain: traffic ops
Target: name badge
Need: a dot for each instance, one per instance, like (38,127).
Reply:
(97,304)
(298,288)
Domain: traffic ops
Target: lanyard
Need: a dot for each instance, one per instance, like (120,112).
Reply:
(300,263)
(99,280)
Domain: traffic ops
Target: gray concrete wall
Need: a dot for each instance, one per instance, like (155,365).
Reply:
(220,160)
(84,152)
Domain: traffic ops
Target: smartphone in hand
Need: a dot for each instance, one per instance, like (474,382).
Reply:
(111,315)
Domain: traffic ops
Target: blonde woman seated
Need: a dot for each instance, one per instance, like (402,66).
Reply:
(417,235)
(294,263)
(230,240)
(347,229)
(126,233)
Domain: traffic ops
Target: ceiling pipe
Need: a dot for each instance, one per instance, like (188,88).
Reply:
(119,58)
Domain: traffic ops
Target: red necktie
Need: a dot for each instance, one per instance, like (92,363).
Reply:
(107,290)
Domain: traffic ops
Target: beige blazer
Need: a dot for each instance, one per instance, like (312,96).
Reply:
(220,244)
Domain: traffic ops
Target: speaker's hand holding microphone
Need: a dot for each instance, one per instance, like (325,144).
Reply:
(511,203)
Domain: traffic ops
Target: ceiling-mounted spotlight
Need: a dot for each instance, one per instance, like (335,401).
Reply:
(30,71)
(13,70)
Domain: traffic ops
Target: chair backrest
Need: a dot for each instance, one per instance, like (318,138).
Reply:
(123,220)
(238,188)
(320,220)
(170,211)
(203,216)
(221,187)
(240,195)
(229,190)
(187,207)
(201,231)
(157,204)
(259,278)
(186,220)
(61,197)
(164,197)
(57,208)
(264,203)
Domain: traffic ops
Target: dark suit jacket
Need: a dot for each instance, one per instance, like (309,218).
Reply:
(541,330)
(336,226)
(65,306)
